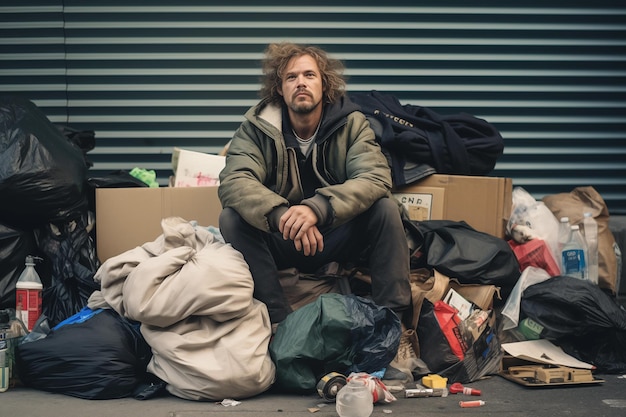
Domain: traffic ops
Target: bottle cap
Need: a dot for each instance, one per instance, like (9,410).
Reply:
(31,260)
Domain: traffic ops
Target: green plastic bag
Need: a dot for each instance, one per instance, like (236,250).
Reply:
(335,333)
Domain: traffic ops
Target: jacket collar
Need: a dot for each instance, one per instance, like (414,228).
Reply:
(334,113)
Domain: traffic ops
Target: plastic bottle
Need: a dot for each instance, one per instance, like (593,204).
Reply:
(5,335)
(573,255)
(564,232)
(28,295)
(354,400)
(590,227)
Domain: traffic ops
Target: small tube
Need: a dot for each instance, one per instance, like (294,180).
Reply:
(420,391)
(470,404)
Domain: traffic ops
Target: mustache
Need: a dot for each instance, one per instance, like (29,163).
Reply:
(301,91)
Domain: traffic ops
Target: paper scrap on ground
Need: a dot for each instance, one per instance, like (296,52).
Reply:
(543,351)
(229,402)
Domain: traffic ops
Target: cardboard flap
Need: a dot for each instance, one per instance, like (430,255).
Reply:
(479,294)
(129,217)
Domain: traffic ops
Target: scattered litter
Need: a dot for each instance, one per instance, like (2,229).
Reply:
(394,386)
(421,391)
(330,384)
(379,390)
(457,387)
(471,404)
(313,409)
(387,411)
(615,403)
(229,402)
(378,374)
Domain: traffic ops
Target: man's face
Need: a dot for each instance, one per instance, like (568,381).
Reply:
(301,86)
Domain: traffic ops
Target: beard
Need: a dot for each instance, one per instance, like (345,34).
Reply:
(303,108)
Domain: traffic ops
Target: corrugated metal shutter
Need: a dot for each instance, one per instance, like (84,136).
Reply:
(147,78)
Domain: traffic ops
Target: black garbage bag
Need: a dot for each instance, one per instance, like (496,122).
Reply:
(340,333)
(581,318)
(15,245)
(69,250)
(435,350)
(84,139)
(115,179)
(462,252)
(96,354)
(482,358)
(42,173)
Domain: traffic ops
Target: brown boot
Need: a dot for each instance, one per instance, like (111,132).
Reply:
(407,359)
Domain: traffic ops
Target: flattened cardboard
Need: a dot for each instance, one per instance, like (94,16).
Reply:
(129,217)
(480,294)
(482,202)
(511,361)
(545,352)
(537,354)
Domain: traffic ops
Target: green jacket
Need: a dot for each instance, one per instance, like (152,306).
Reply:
(260,179)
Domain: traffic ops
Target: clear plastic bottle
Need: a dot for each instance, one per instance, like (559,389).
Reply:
(590,228)
(573,255)
(354,400)
(28,297)
(564,232)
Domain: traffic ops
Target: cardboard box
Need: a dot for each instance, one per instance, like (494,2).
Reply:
(129,217)
(426,204)
(482,202)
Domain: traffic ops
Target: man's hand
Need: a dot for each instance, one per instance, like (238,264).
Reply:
(299,224)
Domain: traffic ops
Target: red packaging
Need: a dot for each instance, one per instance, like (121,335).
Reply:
(28,304)
(535,253)
(449,321)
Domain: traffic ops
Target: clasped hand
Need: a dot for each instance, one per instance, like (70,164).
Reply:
(299,223)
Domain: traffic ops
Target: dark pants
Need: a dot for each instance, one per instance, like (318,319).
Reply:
(379,230)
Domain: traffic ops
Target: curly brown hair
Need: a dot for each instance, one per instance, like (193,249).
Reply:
(278,55)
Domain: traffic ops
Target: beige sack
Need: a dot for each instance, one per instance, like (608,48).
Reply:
(573,205)
(193,295)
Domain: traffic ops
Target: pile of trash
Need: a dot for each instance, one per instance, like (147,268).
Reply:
(177,315)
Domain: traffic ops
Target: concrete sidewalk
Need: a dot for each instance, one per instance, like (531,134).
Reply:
(502,398)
